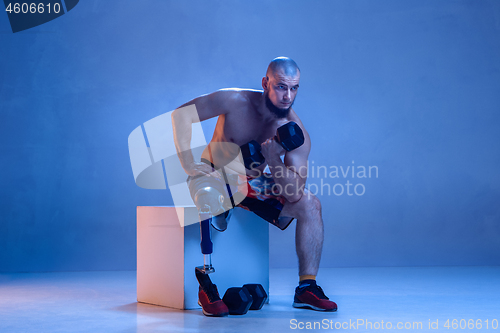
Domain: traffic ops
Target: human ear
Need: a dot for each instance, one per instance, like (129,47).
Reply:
(265,81)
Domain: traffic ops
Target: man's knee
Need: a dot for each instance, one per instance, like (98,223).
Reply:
(311,201)
(308,204)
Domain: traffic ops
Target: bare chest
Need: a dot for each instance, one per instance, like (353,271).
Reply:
(242,128)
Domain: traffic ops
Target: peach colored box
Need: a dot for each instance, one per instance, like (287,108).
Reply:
(168,253)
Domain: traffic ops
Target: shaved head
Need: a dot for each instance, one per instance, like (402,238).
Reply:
(280,86)
(287,65)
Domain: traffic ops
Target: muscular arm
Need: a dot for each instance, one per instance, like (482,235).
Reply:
(291,174)
(206,107)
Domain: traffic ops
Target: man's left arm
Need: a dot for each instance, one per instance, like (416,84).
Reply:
(291,174)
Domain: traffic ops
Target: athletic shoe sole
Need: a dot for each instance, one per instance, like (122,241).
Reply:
(210,314)
(312,307)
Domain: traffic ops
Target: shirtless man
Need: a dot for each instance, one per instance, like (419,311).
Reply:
(246,115)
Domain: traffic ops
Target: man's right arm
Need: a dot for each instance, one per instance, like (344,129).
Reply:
(206,107)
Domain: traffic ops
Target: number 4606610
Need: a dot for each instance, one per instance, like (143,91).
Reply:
(33,8)
(471,324)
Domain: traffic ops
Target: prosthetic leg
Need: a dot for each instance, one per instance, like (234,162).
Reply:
(206,241)
(209,201)
(213,209)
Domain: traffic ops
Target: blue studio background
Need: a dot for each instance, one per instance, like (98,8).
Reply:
(411,87)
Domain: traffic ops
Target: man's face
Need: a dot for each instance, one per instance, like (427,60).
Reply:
(280,91)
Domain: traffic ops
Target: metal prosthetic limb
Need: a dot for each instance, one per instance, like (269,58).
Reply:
(210,204)
(206,241)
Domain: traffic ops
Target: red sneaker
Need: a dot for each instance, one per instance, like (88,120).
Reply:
(209,300)
(310,295)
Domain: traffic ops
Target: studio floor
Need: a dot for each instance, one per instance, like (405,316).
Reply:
(370,300)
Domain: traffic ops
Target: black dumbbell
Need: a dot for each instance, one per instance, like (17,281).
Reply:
(249,297)
(238,300)
(259,295)
(289,136)
(252,157)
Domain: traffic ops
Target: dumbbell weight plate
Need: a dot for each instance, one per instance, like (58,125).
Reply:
(259,295)
(238,300)
(252,157)
(290,136)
